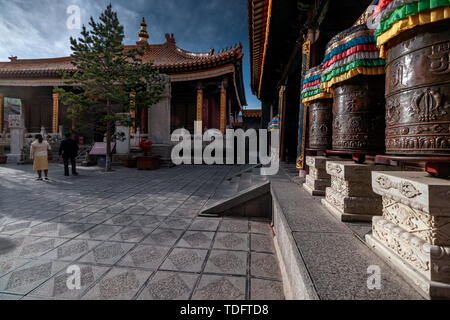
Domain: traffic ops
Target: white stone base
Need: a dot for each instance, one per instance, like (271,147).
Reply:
(13,158)
(346,217)
(318,179)
(350,197)
(428,289)
(413,234)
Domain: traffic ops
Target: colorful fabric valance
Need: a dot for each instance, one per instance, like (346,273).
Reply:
(311,86)
(273,124)
(348,54)
(397,16)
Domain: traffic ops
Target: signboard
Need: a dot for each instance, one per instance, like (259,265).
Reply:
(99,149)
(10,107)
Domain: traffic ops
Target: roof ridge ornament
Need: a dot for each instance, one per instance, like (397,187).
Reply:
(170,38)
(143,34)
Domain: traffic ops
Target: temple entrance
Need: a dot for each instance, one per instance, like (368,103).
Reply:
(211,114)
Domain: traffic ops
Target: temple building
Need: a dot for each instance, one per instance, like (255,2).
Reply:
(362,92)
(204,86)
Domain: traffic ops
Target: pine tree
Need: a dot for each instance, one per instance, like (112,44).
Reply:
(109,78)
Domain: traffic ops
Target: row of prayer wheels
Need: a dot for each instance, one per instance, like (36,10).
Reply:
(360,102)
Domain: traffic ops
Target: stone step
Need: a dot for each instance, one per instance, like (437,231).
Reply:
(257,178)
(316,251)
(234,184)
(245,181)
(251,202)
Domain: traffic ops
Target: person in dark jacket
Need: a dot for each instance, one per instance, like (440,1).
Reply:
(69,151)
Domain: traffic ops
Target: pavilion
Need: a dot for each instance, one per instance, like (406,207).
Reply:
(205,86)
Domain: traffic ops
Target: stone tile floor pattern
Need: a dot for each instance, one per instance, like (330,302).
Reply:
(133,234)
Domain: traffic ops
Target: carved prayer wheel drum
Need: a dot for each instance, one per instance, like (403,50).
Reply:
(418,92)
(320,124)
(358,114)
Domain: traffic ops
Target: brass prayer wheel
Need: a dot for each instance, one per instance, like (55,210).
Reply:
(358,114)
(320,124)
(418,92)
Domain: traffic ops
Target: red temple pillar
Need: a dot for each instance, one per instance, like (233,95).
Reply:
(144,112)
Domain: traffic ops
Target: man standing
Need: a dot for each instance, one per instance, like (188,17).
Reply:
(69,151)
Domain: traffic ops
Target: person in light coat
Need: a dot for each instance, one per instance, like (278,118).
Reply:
(39,154)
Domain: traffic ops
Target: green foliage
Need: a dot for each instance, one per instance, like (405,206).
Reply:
(106,76)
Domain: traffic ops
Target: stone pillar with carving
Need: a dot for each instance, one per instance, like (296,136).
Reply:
(413,234)
(123,138)
(350,197)
(159,124)
(17,130)
(318,179)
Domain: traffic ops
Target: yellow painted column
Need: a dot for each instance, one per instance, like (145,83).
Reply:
(199,109)
(55,113)
(280,118)
(223,108)
(133,112)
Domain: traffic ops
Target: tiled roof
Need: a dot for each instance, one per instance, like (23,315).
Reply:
(167,58)
(35,67)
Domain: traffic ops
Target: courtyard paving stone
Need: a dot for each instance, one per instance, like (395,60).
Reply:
(228,262)
(29,276)
(5,297)
(210,224)
(189,260)
(231,241)
(261,243)
(234,225)
(196,239)
(71,250)
(100,232)
(266,289)
(261,227)
(148,221)
(220,288)
(118,284)
(131,234)
(176,223)
(169,286)
(108,253)
(121,220)
(57,287)
(145,256)
(163,237)
(134,235)
(264,265)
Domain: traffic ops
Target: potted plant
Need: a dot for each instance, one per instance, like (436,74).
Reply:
(145,145)
(147,162)
(130,162)
(3,157)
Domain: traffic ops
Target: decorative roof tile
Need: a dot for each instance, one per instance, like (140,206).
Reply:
(167,58)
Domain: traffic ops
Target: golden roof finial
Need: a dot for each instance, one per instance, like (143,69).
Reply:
(143,34)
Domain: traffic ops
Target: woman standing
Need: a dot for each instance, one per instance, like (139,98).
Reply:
(39,153)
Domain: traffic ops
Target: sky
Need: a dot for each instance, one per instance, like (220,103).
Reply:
(38,28)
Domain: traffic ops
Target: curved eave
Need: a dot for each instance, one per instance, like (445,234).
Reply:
(259,25)
(196,65)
